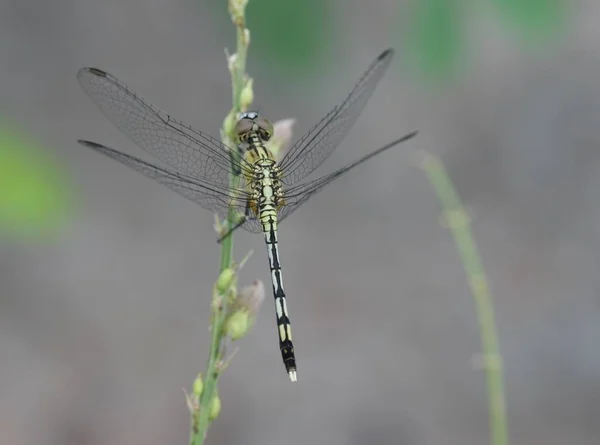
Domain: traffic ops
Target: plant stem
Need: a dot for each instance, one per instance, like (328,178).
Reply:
(200,412)
(200,416)
(238,75)
(458,221)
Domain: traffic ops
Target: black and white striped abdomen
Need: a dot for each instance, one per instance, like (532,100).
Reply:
(283,320)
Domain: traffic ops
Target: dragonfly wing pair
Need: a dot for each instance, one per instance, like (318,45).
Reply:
(200,165)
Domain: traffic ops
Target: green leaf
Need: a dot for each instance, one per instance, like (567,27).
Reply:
(533,17)
(434,37)
(34,198)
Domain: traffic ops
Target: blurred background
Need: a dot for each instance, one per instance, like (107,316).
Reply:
(105,275)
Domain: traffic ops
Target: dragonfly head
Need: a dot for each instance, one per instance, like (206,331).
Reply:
(251,123)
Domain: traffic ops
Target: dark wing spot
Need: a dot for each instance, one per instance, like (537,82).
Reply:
(384,54)
(90,143)
(97,72)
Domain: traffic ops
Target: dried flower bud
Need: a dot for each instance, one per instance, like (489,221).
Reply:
(252,296)
(231,60)
(282,136)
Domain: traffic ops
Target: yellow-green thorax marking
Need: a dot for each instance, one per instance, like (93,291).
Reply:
(267,197)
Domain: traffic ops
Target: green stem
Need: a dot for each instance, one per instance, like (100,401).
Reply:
(238,74)
(458,221)
(239,71)
(200,414)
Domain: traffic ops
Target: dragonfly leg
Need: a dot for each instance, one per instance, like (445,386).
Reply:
(242,220)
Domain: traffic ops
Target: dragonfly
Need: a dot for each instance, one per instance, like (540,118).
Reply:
(200,167)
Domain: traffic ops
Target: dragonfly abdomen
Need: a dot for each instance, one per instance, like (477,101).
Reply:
(283,320)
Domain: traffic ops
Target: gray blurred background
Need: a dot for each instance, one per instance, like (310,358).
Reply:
(101,328)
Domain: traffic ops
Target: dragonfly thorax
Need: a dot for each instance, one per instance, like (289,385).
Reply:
(266,172)
(266,186)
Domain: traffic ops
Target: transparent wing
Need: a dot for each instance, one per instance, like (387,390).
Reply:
(173,142)
(210,196)
(298,195)
(318,144)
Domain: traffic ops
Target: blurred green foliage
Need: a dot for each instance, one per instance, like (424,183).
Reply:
(34,196)
(533,18)
(434,36)
(289,36)
(294,36)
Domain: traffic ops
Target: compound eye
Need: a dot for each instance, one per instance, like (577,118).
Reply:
(243,126)
(265,127)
